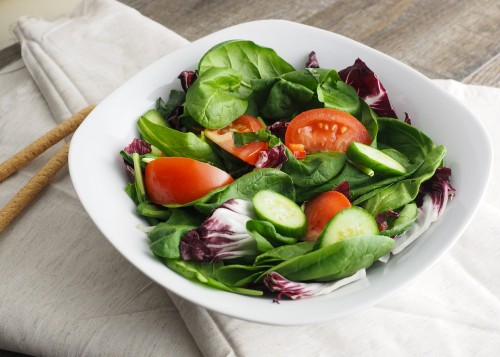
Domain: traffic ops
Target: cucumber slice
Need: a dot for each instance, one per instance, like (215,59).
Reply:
(375,159)
(286,216)
(349,222)
(155,117)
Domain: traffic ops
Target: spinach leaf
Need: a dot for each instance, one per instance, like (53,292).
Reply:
(334,93)
(261,135)
(314,169)
(335,261)
(282,98)
(236,275)
(201,272)
(282,253)
(252,60)
(240,275)
(315,173)
(369,119)
(246,187)
(422,157)
(405,219)
(165,237)
(215,100)
(407,139)
(175,143)
(175,99)
(267,231)
(403,191)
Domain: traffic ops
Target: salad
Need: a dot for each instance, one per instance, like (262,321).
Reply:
(256,177)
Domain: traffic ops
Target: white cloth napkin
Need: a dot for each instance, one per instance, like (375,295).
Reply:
(64,290)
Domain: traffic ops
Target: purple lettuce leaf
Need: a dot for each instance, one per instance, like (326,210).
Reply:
(343,188)
(191,247)
(439,188)
(272,157)
(138,146)
(223,235)
(369,87)
(187,79)
(279,129)
(312,61)
(275,282)
(432,201)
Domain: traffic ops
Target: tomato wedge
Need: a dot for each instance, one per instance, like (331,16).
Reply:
(224,138)
(325,129)
(321,209)
(180,180)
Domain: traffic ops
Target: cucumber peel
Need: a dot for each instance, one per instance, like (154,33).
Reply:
(285,215)
(349,222)
(370,157)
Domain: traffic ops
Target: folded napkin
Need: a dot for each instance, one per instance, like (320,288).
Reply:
(65,291)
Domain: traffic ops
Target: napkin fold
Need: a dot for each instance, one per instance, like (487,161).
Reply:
(65,291)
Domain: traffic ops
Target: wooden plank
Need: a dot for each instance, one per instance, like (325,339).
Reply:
(195,19)
(487,75)
(442,39)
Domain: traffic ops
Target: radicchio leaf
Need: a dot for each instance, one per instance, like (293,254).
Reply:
(407,118)
(187,79)
(312,61)
(275,282)
(432,200)
(439,187)
(138,146)
(383,217)
(343,188)
(223,235)
(272,157)
(279,129)
(369,87)
(193,248)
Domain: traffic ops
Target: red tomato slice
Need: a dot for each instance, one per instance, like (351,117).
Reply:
(321,209)
(179,180)
(224,138)
(325,129)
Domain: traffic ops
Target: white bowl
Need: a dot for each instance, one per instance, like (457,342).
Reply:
(99,179)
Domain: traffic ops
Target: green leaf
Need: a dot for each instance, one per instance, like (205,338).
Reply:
(198,272)
(247,186)
(252,60)
(403,191)
(267,231)
(282,98)
(282,253)
(261,135)
(239,274)
(175,99)
(339,95)
(336,261)
(175,143)
(405,219)
(166,236)
(214,100)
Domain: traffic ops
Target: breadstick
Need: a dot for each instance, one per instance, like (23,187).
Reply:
(49,139)
(37,183)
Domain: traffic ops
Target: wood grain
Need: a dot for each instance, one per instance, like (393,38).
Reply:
(452,39)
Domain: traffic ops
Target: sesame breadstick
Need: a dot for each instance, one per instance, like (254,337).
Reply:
(49,139)
(37,183)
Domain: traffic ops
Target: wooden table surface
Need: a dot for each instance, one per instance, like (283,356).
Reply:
(451,39)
